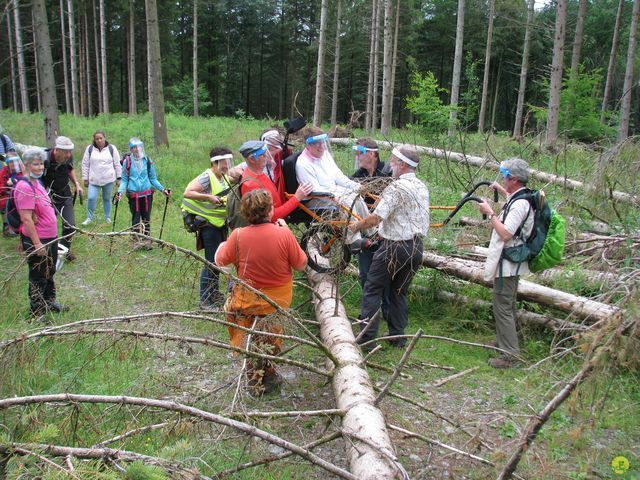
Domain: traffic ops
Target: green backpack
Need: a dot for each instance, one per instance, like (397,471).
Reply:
(545,246)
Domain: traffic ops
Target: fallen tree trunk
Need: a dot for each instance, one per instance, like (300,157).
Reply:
(591,276)
(581,307)
(522,316)
(371,453)
(482,162)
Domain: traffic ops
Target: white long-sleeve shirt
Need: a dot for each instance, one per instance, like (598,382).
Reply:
(322,173)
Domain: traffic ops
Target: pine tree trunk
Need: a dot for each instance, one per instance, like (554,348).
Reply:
(336,68)
(625,101)
(133,103)
(612,62)
(103,58)
(394,62)
(12,55)
(387,94)
(96,45)
(317,106)
(555,82)
(73,58)
(376,65)
(22,70)
(65,63)
(487,67)
(372,60)
(495,95)
(45,71)
(82,72)
(196,106)
(577,39)
(35,58)
(457,68)
(156,93)
(524,70)
(87,55)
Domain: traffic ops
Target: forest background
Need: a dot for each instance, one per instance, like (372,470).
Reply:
(498,64)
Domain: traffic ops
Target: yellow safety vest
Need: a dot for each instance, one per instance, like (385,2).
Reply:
(214,214)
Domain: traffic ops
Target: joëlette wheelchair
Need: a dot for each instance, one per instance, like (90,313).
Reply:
(324,228)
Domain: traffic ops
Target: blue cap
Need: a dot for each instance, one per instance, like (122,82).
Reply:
(253,147)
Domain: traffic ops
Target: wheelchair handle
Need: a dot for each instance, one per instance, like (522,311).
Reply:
(461,203)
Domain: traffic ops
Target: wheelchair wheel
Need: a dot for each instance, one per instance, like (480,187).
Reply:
(325,249)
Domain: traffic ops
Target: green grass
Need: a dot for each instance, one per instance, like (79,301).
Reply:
(579,441)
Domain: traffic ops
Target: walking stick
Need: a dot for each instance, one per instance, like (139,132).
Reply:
(116,202)
(164,214)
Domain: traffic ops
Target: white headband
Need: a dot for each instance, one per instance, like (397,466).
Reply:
(397,153)
(222,157)
(270,133)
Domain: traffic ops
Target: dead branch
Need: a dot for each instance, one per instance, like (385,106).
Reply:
(185,409)
(179,338)
(444,380)
(132,433)
(441,445)
(396,372)
(290,413)
(599,349)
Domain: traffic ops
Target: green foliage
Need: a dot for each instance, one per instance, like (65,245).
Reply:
(179,98)
(579,107)
(140,471)
(431,114)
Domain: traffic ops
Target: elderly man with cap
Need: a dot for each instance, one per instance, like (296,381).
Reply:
(516,217)
(257,155)
(58,171)
(402,214)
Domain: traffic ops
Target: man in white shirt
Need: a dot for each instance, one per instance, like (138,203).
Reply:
(403,216)
(513,222)
(316,166)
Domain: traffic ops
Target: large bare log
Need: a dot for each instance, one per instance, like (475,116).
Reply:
(483,162)
(581,307)
(371,454)
(522,316)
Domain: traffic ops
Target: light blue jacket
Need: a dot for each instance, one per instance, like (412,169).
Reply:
(139,181)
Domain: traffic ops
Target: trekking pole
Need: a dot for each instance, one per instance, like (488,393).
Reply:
(164,214)
(116,202)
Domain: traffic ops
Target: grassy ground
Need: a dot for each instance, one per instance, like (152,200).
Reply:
(595,425)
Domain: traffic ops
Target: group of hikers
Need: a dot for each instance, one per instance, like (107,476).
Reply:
(385,231)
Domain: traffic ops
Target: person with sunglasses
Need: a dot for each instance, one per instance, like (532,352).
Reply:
(516,217)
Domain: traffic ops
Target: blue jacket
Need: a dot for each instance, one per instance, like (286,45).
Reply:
(139,181)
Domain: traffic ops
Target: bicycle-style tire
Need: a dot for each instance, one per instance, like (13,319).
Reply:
(319,237)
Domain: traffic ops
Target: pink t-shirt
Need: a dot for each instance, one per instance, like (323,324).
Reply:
(46,225)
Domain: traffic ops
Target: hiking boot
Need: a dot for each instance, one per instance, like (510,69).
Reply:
(397,342)
(147,245)
(7,231)
(208,307)
(271,383)
(359,245)
(107,220)
(503,362)
(88,221)
(57,307)
(38,312)
(70,257)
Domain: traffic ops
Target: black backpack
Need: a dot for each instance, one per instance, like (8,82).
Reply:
(12,213)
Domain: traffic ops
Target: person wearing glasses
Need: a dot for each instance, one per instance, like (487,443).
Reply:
(516,217)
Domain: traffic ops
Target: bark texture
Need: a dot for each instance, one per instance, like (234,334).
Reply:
(353,388)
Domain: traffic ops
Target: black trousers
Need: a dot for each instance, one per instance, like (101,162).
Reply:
(211,237)
(42,290)
(394,266)
(64,207)
(141,213)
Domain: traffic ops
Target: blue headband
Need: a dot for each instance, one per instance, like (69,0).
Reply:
(317,138)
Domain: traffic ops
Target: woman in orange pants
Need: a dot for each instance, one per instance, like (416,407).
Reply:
(264,254)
